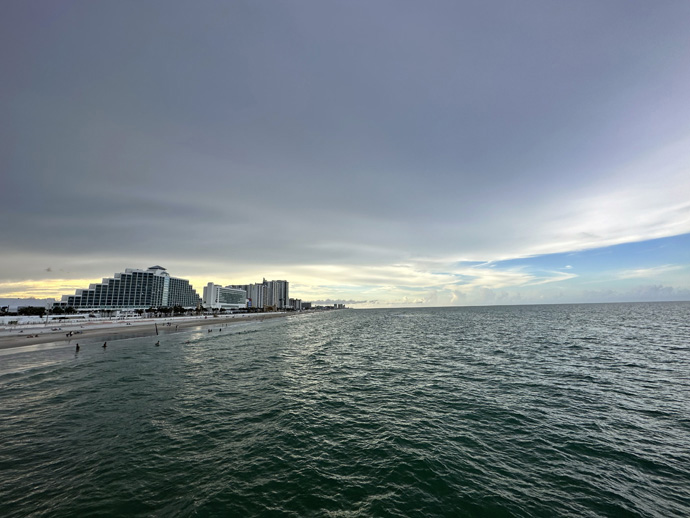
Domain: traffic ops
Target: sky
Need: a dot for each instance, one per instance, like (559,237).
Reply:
(381,154)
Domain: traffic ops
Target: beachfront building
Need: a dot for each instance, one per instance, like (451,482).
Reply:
(135,289)
(256,294)
(277,294)
(266,294)
(219,297)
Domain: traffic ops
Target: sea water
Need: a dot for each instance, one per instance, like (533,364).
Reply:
(569,410)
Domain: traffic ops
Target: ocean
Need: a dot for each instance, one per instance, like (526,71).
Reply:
(559,410)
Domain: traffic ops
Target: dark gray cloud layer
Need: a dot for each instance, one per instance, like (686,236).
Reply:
(226,135)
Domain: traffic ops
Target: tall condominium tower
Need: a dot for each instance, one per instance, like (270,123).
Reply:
(277,294)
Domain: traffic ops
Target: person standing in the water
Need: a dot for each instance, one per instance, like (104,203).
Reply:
(105,344)
(77,350)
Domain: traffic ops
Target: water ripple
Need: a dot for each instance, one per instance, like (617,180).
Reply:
(506,411)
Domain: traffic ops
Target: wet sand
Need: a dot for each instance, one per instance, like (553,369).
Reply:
(86,332)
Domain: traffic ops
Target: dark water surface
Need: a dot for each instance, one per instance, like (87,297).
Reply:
(573,410)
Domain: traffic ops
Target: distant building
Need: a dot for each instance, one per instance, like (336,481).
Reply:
(135,289)
(277,294)
(256,294)
(219,297)
(267,294)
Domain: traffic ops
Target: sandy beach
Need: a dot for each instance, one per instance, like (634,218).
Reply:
(109,329)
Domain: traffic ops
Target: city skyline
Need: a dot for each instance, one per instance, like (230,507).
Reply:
(378,155)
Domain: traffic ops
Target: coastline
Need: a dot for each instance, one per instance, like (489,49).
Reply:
(116,329)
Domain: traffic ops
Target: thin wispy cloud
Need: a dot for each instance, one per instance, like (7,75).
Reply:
(651,272)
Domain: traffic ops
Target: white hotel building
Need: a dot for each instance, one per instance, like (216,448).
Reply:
(219,297)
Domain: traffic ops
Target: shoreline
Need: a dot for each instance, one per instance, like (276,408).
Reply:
(117,330)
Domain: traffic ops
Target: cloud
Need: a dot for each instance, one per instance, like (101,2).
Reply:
(45,288)
(330,302)
(650,272)
(230,143)
(640,293)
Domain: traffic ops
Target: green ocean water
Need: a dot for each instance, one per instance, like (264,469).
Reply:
(570,410)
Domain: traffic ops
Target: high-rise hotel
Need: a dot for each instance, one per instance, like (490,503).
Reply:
(135,289)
